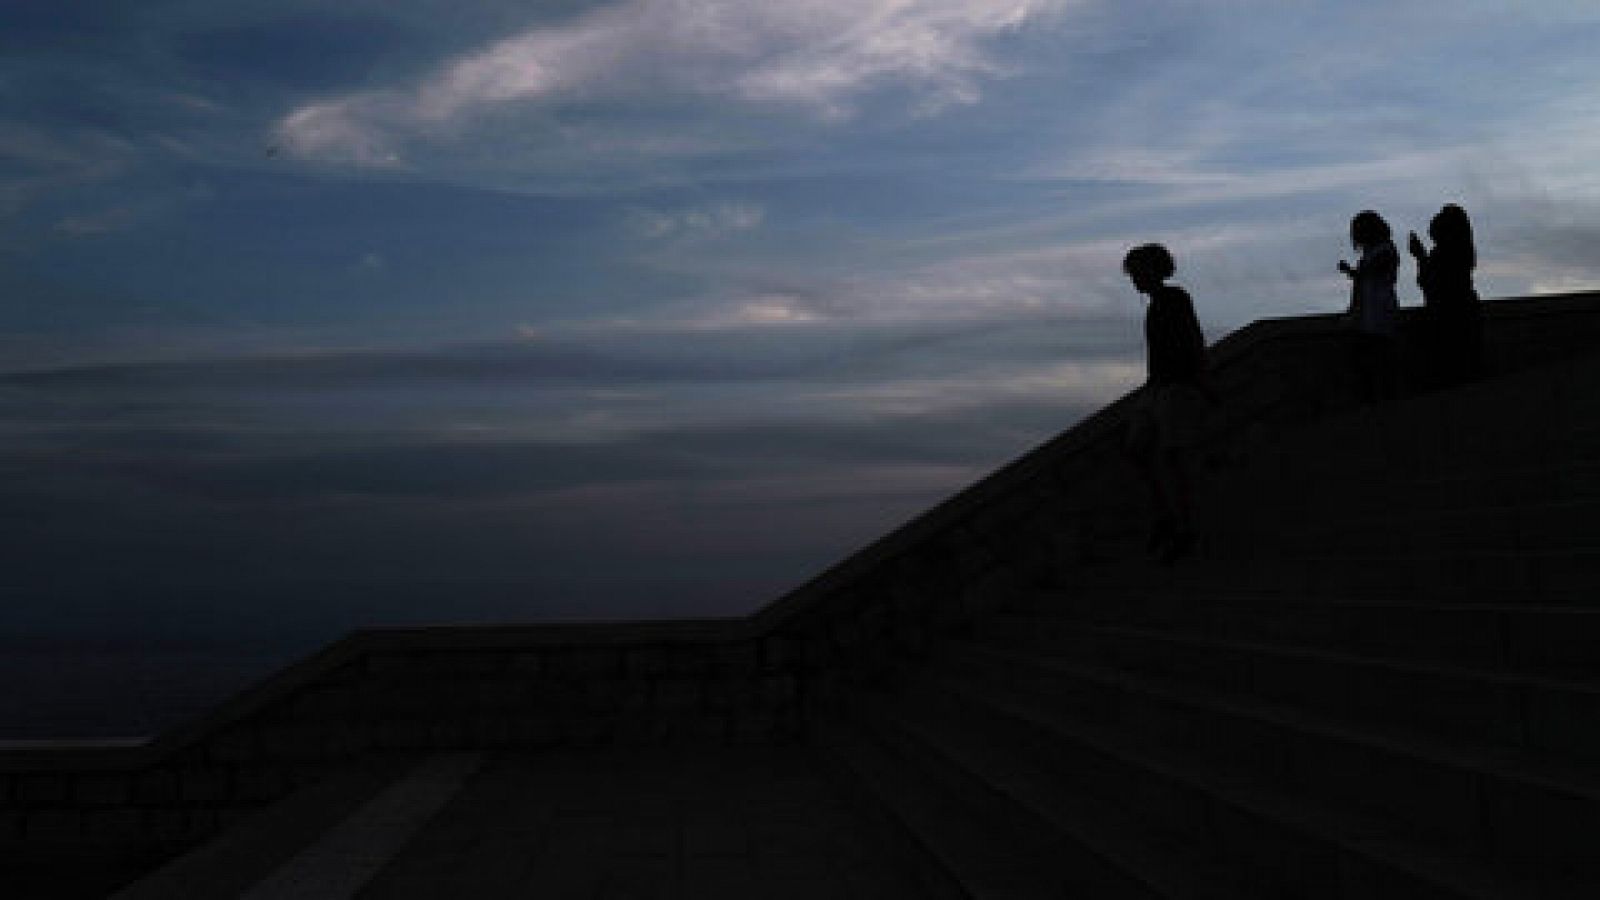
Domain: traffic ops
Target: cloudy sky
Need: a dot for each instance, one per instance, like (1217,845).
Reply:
(433,310)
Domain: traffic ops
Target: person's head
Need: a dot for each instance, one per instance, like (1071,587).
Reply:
(1368,229)
(1451,228)
(1148,265)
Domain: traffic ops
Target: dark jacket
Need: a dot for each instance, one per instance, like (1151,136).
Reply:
(1174,345)
(1445,276)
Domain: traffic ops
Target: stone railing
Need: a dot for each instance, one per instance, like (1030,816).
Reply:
(756,678)
(397,691)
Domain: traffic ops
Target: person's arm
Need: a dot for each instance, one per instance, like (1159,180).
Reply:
(1425,264)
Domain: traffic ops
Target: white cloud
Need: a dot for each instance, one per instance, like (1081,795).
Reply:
(716,219)
(1562,284)
(774,310)
(1191,181)
(343,130)
(814,54)
(762,310)
(841,48)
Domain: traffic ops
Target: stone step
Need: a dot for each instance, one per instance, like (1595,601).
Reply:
(230,864)
(1112,854)
(1522,809)
(1373,516)
(1538,482)
(1308,504)
(1290,846)
(667,823)
(604,823)
(477,846)
(954,853)
(1532,412)
(1365,446)
(1536,714)
(1522,576)
(1319,471)
(1535,577)
(1534,419)
(1396,528)
(1555,641)
(1243,518)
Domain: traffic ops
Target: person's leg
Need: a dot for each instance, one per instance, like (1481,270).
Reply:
(1361,367)
(1162,521)
(1181,413)
(1386,356)
(1478,343)
(1182,492)
(1467,347)
(1454,354)
(1375,364)
(1143,448)
(1179,470)
(1428,350)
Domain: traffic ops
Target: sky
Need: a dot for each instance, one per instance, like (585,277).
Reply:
(316,316)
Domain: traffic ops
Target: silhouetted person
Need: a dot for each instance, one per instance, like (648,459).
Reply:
(1170,411)
(1374,309)
(1452,316)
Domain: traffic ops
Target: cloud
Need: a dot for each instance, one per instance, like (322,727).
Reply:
(818,55)
(1551,256)
(714,220)
(1187,181)
(127,514)
(544,361)
(767,339)
(138,534)
(233,465)
(371,263)
(35,161)
(103,222)
(771,309)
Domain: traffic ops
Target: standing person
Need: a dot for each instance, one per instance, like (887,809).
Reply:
(1374,308)
(1166,422)
(1452,316)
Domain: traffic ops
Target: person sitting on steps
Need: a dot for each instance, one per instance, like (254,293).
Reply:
(1170,412)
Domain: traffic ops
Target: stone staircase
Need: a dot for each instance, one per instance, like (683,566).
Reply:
(1380,679)
(1377,678)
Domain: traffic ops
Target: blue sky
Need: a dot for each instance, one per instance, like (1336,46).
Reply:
(429,310)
